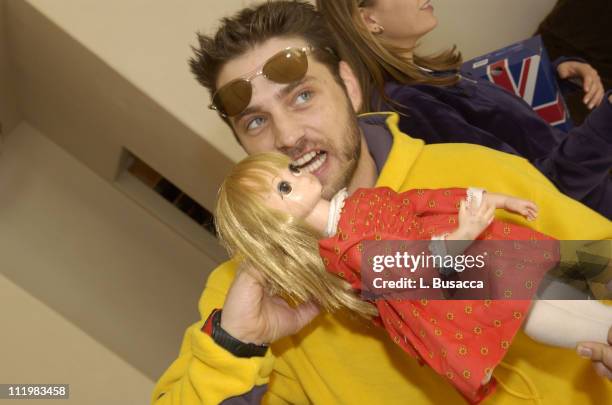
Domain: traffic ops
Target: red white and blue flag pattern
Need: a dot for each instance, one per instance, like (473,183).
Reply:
(524,70)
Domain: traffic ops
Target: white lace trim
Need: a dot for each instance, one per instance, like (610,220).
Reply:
(335,207)
(474,194)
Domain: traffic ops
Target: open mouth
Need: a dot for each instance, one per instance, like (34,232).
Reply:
(426,5)
(311,161)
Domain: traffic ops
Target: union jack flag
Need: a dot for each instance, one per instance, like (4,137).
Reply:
(524,70)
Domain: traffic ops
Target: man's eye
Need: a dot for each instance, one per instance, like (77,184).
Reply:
(284,187)
(254,123)
(303,97)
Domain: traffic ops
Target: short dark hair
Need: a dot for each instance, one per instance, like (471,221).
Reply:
(253,26)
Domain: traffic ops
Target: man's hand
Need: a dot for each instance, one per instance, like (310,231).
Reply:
(252,316)
(591,83)
(600,354)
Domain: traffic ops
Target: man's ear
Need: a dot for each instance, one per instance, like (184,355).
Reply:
(351,84)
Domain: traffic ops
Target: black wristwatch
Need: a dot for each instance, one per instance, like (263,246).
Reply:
(230,343)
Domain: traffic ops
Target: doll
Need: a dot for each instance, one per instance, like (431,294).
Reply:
(272,216)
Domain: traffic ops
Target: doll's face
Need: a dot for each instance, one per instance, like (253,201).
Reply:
(295,192)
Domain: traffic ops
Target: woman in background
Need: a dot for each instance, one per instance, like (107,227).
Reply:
(378,39)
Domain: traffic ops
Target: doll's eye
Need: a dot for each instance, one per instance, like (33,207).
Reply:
(284,187)
(294,169)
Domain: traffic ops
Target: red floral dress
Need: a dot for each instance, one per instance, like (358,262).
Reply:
(461,340)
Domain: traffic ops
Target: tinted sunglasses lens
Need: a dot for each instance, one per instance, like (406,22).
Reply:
(234,97)
(286,66)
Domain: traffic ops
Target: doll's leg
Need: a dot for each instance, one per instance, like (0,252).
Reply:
(565,323)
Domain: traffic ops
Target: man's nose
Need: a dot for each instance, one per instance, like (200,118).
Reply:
(287,133)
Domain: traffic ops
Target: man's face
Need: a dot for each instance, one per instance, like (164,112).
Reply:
(311,121)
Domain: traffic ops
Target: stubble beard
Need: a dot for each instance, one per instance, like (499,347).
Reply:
(349,152)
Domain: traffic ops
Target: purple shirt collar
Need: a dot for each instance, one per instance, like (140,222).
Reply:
(378,137)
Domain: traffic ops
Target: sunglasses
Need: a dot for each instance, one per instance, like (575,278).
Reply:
(284,67)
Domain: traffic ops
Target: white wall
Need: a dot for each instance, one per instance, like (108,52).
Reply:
(96,104)
(148,43)
(481,26)
(39,346)
(91,254)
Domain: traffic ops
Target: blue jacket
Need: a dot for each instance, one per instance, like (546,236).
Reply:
(477,111)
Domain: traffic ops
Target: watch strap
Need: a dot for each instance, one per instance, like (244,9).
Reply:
(212,327)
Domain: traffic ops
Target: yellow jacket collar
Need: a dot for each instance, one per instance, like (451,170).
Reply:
(404,152)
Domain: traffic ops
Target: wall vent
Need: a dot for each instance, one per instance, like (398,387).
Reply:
(171,193)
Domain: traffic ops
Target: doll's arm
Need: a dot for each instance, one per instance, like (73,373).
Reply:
(477,211)
(526,208)
(473,220)
(565,323)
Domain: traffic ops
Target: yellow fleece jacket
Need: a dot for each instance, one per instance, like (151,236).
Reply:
(342,359)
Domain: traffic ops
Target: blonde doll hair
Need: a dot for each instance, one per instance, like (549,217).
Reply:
(280,247)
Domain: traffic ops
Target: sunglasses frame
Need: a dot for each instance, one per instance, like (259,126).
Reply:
(259,71)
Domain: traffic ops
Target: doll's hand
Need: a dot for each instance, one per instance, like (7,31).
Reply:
(526,208)
(474,220)
(591,82)
(252,316)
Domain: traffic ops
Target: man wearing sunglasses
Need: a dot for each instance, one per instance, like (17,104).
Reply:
(276,81)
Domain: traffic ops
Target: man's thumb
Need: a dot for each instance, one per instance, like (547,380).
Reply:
(596,352)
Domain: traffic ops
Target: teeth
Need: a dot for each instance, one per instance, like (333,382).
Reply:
(305,158)
(311,161)
(316,163)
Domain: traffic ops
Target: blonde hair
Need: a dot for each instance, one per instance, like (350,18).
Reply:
(280,247)
(375,61)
